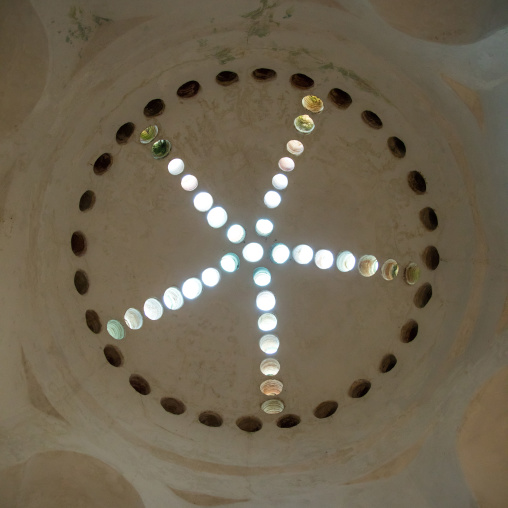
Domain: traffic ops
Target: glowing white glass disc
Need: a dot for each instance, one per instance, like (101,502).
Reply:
(324,259)
(173,298)
(269,344)
(267,322)
(192,288)
(236,233)
(153,309)
(280,253)
(176,166)
(265,301)
(253,252)
(270,367)
(210,277)
(346,261)
(303,254)
(203,201)
(133,319)
(217,217)
(280,181)
(264,227)
(189,182)
(272,199)
(262,277)
(230,262)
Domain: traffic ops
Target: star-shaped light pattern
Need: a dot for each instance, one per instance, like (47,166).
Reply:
(254,253)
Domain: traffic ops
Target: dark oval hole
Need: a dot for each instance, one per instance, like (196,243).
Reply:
(92,321)
(154,108)
(409,331)
(388,363)
(340,98)
(113,355)
(431,257)
(423,295)
(416,182)
(359,388)
(78,243)
(263,74)
(288,421)
(397,147)
(210,419)
(301,81)
(249,423)
(173,406)
(226,78)
(428,218)
(140,384)
(326,409)
(372,120)
(102,164)
(87,200)
(188,90)
(81,282)
(124,133)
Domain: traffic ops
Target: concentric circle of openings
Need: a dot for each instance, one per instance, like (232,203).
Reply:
(173,406)
(173,298)
(154,108)
(226,78)
(188,90)
(423,295)
(133,319)
(217,217)
(387,363)
(272,199)
(189,183)
(303,254)
(269,344)
(409,331)
(271,387)
(390,269)
(359,388)
(230,262)
(115,329)
(113,355)
(176,166)
(267,322)
(372,120)
(236,233)
(280,181)
(428,218)
(286,164)
(416,182)
(81,282)
(270,367)
(265,301)
(92,321)
(431,257)
(263,74)
(210,419)
(78,243)
(153,309)
(288,421)
(262,276)
(192,288)
(249,423)
(264,227)
(203,201)
(272,406)
(324,259)
(397,147)
(368,265)
(87,200)
(340,98)
(301,81)
(326,409)
(253,252)
(149,134)
(102,164)
(346,261)
(124,133)
(280,253)
(210,277)
(161,149)
(140,384)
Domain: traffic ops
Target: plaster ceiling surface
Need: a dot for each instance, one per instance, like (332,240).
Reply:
(95,67)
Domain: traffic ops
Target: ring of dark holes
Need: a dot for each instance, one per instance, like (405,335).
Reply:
(360,387)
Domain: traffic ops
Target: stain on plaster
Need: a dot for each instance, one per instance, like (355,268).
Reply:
(261,20)
(349,74)
(83,24)
(223,55)
(198,499)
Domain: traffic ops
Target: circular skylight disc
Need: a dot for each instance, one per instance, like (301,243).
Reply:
(203,201)
(267,322)
(133,319)
(253,252)
(264,227)
(262,277)
(230,262)
(176,166)
(192,288)
(210,277)
(217,217)
(346,261)
(272,199)
(269,344)
(173,298)
(303,254)
(265,301)
(189,183)
(236,233)
(280,181)
(153,309)
(324,259)
(280,253)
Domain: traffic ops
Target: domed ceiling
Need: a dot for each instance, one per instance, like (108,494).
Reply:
(144,135)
